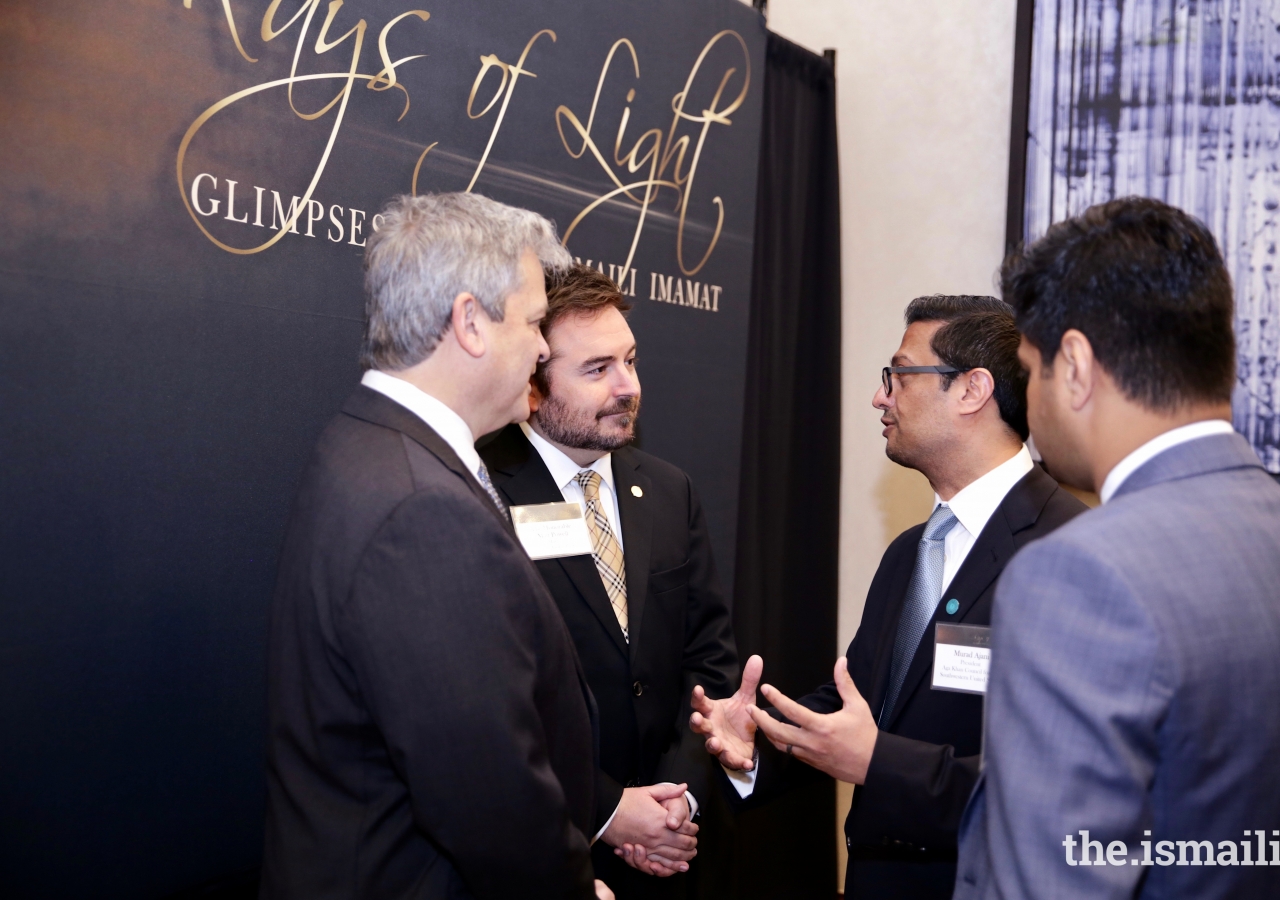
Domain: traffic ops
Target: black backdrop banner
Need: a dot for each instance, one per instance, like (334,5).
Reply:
(187,187)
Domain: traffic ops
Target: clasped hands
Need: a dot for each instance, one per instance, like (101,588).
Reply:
(839,743)
(652,829)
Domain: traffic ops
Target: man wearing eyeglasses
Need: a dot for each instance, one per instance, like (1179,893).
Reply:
(953,406)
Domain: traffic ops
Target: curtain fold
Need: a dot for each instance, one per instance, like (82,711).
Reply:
(785,595)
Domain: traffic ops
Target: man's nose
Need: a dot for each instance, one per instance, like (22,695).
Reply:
(544,351)
(881,399)
(627,384)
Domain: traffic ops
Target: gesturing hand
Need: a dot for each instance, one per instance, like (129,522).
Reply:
(602,891)
(643,819)
(727,724)
(839,744)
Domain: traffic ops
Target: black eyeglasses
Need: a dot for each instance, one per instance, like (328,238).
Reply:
(887,373)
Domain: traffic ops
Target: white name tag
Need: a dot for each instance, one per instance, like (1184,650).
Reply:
(551,530)
(961,658)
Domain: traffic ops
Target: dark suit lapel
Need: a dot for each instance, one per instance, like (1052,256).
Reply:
(372,406)
(637,536)
(889,628)
(991,552)
(526,480)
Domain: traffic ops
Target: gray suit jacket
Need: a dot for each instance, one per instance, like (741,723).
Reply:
(1135,689)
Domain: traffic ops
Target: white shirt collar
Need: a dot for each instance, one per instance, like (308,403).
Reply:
(563,470)
(443,420)
(1154,447)
(978,500)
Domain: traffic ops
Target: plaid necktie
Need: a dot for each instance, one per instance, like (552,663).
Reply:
(487,483)
(923,594)
(607,554)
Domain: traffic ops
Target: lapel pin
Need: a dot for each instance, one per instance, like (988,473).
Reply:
(635,491)
(952,605)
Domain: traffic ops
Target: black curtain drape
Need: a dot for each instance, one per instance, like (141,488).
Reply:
(785,581)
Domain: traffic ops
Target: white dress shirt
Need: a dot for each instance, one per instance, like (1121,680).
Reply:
(973,506)
(443,420)
(564,471)
(1155,447)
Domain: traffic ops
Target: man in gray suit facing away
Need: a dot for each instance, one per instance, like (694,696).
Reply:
(1133,709)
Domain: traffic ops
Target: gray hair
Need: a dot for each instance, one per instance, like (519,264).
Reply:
(431,248)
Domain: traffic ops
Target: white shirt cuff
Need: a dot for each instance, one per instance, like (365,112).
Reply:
(743,782)
(605,826)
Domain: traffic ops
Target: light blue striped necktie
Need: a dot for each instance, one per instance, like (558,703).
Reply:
(923,593)
(487,483)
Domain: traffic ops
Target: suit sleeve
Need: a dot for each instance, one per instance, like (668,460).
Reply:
(710,656)
(1078,689)
(920,788)
(608,796)
(454,654)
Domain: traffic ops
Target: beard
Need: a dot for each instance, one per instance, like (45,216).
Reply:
(584,430)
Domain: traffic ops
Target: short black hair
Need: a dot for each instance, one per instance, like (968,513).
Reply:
(1146,284)
(979,333)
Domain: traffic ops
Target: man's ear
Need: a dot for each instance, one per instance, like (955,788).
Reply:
(535,395)
(465,325)
(1077,368)
(979,386)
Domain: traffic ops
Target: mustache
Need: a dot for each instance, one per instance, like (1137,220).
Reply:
(623,405)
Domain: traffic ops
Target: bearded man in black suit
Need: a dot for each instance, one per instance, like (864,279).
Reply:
(645,607)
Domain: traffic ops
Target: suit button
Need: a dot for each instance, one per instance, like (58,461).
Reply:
(637,689)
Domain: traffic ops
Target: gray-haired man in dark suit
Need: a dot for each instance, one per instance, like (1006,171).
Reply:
(431,732)
(1133,710)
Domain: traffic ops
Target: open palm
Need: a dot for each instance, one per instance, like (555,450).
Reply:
(726,724)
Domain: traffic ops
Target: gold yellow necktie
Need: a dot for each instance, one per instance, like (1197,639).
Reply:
(607,553)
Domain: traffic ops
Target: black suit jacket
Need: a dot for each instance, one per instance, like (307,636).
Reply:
(679,620)
(430,732)
(901,829)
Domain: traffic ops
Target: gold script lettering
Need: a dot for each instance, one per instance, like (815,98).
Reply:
(657,150)
(506,87)
(383,80)
(515,72)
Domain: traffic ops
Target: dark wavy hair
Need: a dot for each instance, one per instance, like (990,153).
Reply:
(1146,284)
